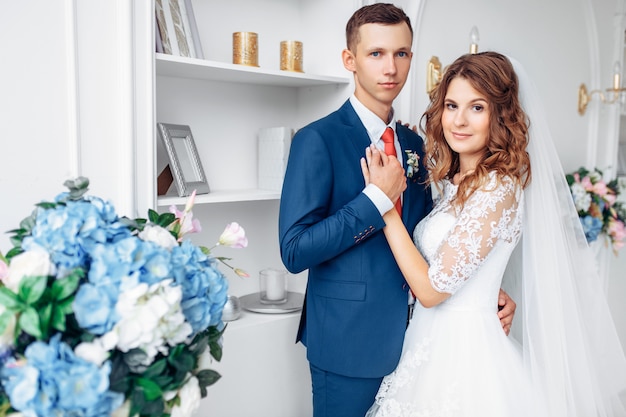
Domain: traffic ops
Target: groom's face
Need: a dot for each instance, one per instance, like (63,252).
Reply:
(380,63)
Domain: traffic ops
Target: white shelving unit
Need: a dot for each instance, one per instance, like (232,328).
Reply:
(225,105)
(213,71)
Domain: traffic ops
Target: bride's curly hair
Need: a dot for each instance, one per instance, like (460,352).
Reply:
(493,76)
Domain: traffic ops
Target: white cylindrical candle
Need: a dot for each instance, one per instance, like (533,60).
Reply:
(273,284)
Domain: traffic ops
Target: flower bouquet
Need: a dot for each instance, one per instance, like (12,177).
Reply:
(599,211)
(103,315)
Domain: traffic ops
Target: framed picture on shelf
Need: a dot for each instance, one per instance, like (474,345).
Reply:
(176,30)
(183,157)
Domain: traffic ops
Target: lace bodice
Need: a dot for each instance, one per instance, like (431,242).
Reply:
(459,243)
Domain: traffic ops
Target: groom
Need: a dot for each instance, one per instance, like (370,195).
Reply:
(356,306)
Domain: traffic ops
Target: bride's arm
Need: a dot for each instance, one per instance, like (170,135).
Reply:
(409,259)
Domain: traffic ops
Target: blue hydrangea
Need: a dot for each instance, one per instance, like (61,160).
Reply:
(94,308)
(205,289)
(114,268)
(592,227)
(54,381)
(70,231)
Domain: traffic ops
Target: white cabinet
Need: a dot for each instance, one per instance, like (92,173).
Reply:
(264,371)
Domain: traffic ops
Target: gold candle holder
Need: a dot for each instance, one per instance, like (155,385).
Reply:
(246,49)
(291,56)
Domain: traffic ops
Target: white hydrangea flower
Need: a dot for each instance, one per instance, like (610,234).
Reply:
(582,199)
(189,396)
(151,319)
(98,350)
(29,263)
(158,235)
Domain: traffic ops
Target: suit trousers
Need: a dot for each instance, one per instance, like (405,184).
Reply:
(342,396)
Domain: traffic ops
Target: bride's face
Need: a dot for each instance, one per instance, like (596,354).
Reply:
(465,122)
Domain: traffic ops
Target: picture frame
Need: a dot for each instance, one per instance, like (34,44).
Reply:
(183,157)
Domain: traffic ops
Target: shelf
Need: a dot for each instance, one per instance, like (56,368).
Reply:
(182,67)
(222,196)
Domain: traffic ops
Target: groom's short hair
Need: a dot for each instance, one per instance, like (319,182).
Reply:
(382,13)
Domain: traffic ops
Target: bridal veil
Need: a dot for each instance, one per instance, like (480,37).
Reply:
(563,320)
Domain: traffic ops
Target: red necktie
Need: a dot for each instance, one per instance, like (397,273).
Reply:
(390,149)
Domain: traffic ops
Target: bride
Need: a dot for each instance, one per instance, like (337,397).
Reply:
(490,155)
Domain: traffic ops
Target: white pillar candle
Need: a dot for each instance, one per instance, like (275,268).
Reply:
(273,284)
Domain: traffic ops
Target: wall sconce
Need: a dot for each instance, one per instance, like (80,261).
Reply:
(433,70)
(614,94)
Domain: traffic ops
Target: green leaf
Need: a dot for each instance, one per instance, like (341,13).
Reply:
(184,361)
(153,216)
(57,321)
(165,219)
(16,250)
(5,319)
(32,288)
(29,323)
(155,369)
(10,300)
(205,378)
(119,376)
(77,187)
(137,224)
(46,205)
(214,346)
(65,306)
(151,390)
(165,382)
(45,315)
(64,287)
(216,350)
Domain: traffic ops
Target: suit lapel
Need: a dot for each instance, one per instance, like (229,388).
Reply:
(354,129)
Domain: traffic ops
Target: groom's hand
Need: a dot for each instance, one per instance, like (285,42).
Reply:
(506,307)
(384,172)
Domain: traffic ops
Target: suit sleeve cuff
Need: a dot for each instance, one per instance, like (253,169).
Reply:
(381,201)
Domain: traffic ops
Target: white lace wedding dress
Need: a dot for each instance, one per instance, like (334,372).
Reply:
(457,360)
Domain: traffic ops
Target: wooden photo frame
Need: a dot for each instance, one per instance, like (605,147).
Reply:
(184,160)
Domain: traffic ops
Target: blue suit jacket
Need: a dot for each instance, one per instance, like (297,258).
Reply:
(355,311)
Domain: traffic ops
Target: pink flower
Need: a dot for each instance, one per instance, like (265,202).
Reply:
(610,198)
(185,223)
(617,230)
(586,182)
(241,273)
(233,236)
(600,188)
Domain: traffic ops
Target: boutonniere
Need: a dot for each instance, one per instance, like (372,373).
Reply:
(412,163)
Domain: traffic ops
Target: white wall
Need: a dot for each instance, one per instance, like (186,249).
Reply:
(37,90)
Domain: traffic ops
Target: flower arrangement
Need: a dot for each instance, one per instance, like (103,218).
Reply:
(599,211)
(412,162)
(102,315)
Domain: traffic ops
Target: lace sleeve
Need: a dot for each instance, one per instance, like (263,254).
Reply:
(490,215)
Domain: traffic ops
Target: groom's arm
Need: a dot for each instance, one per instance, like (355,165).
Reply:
(312,229)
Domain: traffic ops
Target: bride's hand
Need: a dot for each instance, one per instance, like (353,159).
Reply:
(384,172)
